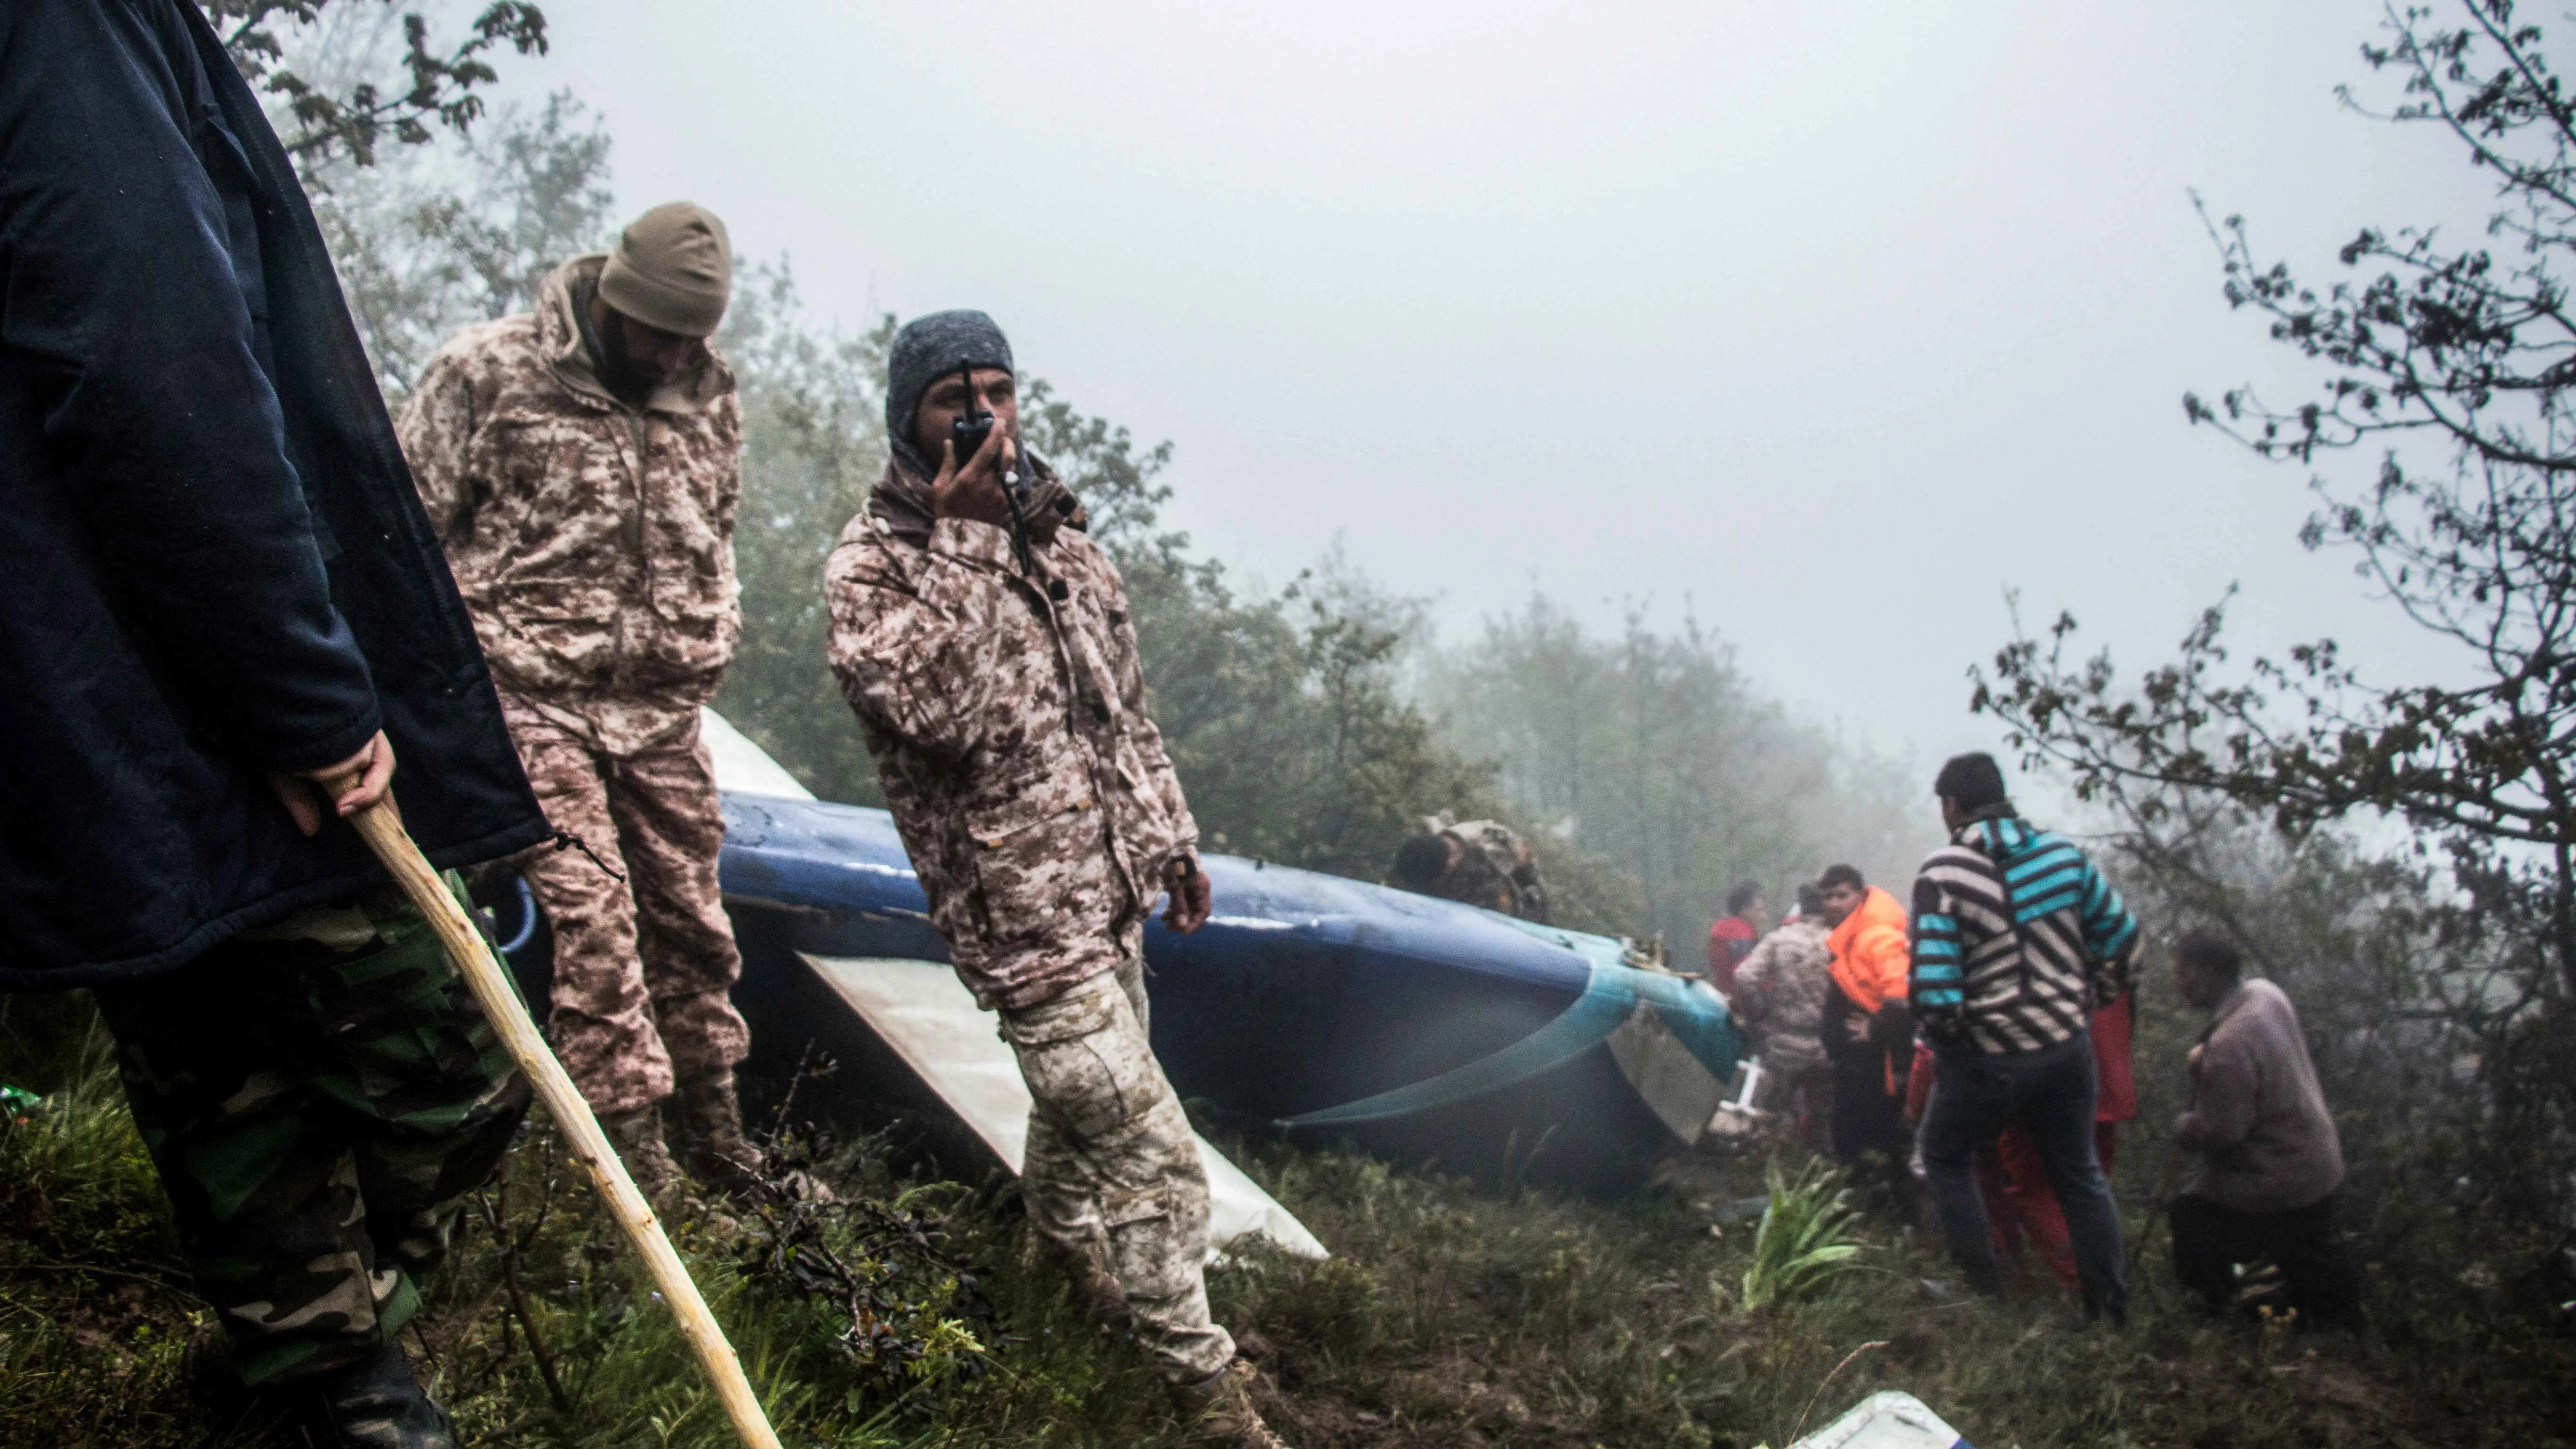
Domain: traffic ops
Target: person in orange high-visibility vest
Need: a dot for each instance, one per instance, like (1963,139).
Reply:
(1868,1032)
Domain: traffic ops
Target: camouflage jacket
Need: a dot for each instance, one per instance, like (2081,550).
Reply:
(593,543)
(1009,729)
(1780,992)
(1495,869)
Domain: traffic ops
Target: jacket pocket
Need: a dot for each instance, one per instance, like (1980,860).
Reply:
(699,619)
(558,601)
(1078,1011)
(1088,1066)
(392,1017)
(556,631)
(1041,865)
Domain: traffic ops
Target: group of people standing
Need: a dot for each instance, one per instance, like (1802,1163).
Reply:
(1982,1030)
(235,590)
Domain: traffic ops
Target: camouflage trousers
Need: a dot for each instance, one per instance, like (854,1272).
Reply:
(317,1098)
(644,970)
(1112,1174)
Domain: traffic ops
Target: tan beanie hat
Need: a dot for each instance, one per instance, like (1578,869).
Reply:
(673,269)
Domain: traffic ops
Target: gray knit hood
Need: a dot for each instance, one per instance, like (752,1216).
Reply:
(926,350)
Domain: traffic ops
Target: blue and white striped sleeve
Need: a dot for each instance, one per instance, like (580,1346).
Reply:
(2111,937)
(1934,982)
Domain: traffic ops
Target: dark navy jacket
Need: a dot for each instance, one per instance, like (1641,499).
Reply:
(212,561)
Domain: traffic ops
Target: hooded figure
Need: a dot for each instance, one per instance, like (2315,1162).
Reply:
(994,672)
(931,350)
(216,587)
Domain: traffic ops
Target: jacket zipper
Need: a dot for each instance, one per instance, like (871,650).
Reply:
(1058,624)
(641,429)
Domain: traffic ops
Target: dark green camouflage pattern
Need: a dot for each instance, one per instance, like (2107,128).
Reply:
(317,1097)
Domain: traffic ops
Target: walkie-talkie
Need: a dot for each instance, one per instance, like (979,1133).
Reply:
(966,435)
(965,438)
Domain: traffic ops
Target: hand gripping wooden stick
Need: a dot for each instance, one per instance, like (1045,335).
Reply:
(384,834)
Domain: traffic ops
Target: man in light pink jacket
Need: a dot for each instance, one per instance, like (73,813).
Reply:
(2267,1157)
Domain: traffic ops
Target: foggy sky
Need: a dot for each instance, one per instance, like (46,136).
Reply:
(1827,322)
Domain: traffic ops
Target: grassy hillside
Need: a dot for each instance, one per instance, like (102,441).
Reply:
(1449,1317)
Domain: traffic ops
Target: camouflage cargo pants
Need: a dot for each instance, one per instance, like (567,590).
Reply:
(317,1100)
(644,970)
(1112,1173)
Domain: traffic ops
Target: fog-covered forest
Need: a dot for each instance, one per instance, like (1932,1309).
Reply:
(1315,720)
(2398,854)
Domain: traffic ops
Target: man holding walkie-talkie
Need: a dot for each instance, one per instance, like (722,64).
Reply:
(983,639)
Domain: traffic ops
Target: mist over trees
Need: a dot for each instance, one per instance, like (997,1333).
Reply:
(1654,753)
(1314,724)
(2395,855)
(341,83)
(2438,979)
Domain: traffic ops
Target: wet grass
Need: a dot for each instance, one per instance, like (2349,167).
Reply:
(1450,1316)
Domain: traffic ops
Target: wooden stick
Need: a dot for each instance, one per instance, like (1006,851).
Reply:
(384,834)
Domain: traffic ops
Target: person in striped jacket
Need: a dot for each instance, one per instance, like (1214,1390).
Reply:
(2017,940)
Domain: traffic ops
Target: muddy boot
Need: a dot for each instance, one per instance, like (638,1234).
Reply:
(706,1120)
(637,1136)
(373,1404)
(1218,1409)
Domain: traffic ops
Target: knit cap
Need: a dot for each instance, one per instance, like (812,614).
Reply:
(926,350)
(673,269)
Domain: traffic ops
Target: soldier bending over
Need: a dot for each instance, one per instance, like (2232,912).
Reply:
(1480,862)
(582,464)
(1002,699)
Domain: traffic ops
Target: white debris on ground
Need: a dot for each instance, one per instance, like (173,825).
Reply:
(1888,1420)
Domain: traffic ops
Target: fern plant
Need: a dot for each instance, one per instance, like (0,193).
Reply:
(1806,1237)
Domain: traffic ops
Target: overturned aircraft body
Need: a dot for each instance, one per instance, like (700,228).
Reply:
(1332,1011)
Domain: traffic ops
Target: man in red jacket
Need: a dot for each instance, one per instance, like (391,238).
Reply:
(1732,938)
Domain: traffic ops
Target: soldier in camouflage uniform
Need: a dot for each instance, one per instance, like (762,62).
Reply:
(318,1095)
(582,466)
(1481,862)
(994,673)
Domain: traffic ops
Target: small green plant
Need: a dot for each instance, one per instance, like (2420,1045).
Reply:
(1805,1238)
(1449,1314)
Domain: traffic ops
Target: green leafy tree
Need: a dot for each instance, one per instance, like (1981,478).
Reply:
(425,250)
(1283,713)
(2444,366)
(1294,729)
(431,87)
